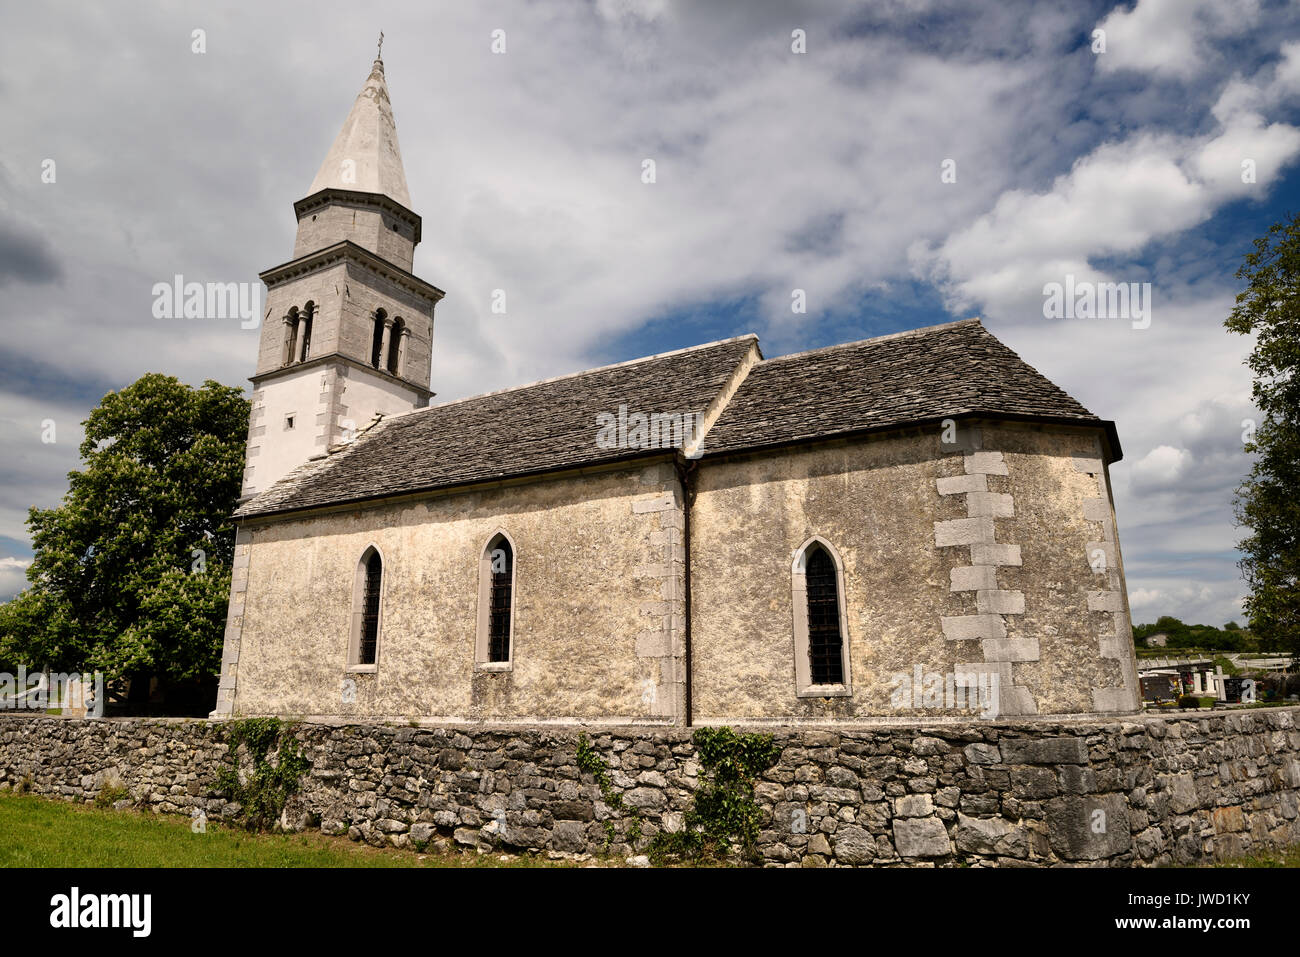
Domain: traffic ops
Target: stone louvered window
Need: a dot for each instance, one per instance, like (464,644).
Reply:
(820,622)
(395,345)
(304,324)
(496,605)
(290,336)
(377,338)
(297,334)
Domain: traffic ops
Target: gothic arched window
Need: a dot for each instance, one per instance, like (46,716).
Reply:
(367,608)
(821,633)
(823,619)
(496,604)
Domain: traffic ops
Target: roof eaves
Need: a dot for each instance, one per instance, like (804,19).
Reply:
(902,425)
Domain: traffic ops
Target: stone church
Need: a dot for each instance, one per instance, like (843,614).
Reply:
(913,527)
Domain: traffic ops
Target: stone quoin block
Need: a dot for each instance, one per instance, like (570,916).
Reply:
(958,484)
(988,463)
(1010,649)
(968,627)
(1105,601)
(989,554)
(1101,557)
(1096,509)
(963,531)
(1015,701)
(973,578)
(1000,602)
(1113,647)
(1113,699)
(653,644)
(993,504)
(659,503)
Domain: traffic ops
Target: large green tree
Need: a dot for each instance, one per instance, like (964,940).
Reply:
(1268,501)
(131,572)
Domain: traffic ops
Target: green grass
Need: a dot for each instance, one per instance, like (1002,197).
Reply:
(42,832)
(1285,857)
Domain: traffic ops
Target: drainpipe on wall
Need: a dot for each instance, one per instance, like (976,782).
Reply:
(687,472)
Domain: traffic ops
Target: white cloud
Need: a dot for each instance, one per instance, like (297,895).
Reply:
(1114,201)
(1144,598)
(1286,80)
(1195,602)
(1163,465)
(1172,38)
(35,469)
(13,576)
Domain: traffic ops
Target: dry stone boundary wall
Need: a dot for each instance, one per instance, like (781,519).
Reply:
(1146,790)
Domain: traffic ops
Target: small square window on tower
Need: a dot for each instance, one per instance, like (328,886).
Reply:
(288,421)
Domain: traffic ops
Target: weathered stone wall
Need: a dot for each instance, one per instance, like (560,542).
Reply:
(990,558)
(1157,789)
(994,553)
(597,606)
(369,226)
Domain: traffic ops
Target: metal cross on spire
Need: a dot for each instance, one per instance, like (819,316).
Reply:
(379,54)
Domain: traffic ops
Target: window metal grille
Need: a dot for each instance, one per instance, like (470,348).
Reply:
(826,664)
(501,565)
(370,610)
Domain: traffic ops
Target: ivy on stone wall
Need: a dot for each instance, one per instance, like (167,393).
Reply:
(276,767)
(591,763)
(724,815)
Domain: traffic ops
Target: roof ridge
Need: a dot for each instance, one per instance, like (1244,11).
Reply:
(574,375)
(892,335)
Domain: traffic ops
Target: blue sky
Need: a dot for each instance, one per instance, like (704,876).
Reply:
(776,171)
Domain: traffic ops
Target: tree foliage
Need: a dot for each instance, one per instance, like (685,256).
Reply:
(1267,503)
(1202,637)
(132,571)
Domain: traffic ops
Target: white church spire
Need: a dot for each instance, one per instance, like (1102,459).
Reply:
(349,330)
(365,155)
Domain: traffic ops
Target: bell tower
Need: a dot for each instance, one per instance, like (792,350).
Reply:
(348,330)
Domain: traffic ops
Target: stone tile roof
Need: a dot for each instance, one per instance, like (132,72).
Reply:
(928,374)
(925,375)
(542,427)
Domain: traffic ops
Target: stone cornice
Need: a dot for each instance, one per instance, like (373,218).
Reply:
(350,251)
(337,358)
(324,197)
